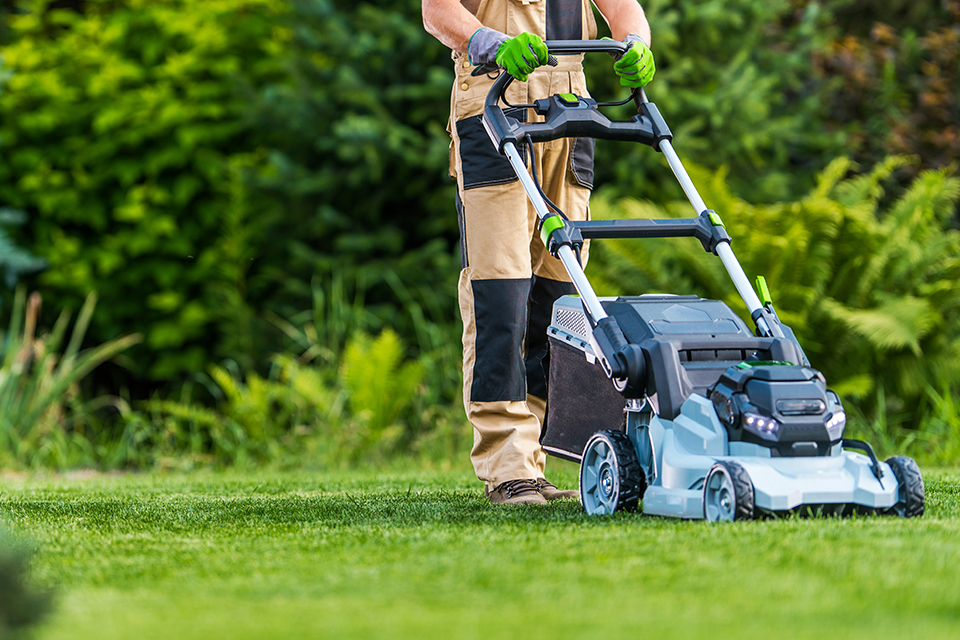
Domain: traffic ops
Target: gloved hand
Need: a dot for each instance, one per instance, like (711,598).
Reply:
(519,55)
(635,67)
(522,54)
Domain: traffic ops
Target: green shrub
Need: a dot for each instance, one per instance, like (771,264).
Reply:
(380,388)
(859,17)
(122,129)
(873,293)
(347,398)
(358,161)
(196,163)
(255,420)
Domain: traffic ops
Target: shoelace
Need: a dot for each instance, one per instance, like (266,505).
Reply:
(513,488)
(543,483)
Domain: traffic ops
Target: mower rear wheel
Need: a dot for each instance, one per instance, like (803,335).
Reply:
(610,475)
(910,492)
(727,493)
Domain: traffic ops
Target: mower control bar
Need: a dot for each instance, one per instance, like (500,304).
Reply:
(702,228)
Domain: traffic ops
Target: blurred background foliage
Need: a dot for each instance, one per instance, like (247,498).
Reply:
(256,190)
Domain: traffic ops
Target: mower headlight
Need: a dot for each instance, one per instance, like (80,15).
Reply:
(835,425)
(766,428)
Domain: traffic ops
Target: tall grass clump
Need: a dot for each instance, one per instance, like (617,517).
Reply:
(252,420)
(349,390)
(433,424)
(869,282)
(43,419)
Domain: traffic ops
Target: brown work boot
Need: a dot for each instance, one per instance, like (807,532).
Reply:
(549,491)
(516,492)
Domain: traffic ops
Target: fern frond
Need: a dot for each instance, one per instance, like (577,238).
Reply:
(897,324)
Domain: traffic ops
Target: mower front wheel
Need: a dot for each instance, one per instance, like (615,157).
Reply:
(910,492)
(727,493)
(610,475)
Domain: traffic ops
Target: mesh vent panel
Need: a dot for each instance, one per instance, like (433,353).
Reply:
(573,321)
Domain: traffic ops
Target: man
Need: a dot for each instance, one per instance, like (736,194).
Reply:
(509,281)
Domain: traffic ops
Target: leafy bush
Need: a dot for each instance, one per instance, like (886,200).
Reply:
(255,420)
(118,128)
(859,17)
(348,397)
(364,193)
(197,163)
(380,387)
(872,293)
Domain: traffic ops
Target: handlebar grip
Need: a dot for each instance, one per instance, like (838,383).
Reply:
(573,47)
(557,47)
(491,67)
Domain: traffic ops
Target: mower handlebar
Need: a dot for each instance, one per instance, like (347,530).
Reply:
(567,117)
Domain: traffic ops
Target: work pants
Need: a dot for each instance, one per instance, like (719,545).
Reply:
(509,281)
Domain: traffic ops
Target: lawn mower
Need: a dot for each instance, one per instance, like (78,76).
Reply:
(673,400)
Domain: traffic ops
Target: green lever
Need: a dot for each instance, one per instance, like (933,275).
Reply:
(764,291)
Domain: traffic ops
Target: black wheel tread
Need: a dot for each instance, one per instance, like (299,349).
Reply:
(743,490)
(632,481)
(911,502)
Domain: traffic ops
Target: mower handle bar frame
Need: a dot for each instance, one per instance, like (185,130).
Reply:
(586,121)
(647,127)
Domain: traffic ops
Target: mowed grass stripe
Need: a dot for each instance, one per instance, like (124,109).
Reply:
(423,555)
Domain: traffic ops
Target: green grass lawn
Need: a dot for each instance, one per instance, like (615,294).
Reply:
(414,554)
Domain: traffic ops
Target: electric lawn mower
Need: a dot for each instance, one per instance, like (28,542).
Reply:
(673,399)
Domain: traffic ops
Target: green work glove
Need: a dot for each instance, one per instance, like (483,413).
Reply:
(522,54)
(635,67)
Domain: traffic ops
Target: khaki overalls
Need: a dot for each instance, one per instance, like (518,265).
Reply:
(509,281)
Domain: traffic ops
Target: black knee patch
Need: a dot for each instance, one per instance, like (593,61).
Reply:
(500,312)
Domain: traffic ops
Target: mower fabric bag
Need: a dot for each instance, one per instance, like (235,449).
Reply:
(580,401)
